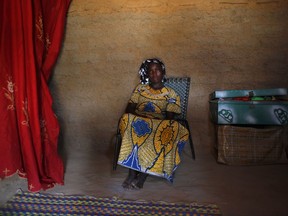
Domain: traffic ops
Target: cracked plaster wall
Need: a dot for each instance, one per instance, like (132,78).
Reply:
(220,44)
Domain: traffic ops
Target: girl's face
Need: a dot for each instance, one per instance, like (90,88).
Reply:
(155,73)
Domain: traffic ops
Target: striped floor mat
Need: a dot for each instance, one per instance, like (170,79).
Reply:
(25,203)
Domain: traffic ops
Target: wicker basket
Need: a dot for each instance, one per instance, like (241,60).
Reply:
(240,145)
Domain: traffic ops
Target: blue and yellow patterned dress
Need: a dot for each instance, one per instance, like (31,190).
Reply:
(151,144)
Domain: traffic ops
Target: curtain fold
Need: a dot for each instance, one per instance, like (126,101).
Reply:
(31,34)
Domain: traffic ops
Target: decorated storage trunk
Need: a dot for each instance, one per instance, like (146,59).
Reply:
(251,126)
(249,107)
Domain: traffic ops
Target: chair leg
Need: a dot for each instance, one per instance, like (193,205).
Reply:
(116,150)
(190,140)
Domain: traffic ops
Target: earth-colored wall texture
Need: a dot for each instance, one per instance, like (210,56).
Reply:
(220,44)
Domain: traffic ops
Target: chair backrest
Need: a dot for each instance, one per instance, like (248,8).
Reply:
(181,86)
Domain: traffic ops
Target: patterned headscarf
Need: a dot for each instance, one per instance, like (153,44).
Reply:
(143,71)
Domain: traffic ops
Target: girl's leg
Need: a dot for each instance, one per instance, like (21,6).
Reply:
(139,181)
(131,176)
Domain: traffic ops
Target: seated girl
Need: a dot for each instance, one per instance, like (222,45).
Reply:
(151,139)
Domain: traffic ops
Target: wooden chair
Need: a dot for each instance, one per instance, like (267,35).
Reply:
(181,86)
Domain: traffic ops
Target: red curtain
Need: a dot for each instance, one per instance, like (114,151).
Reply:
(31,33)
